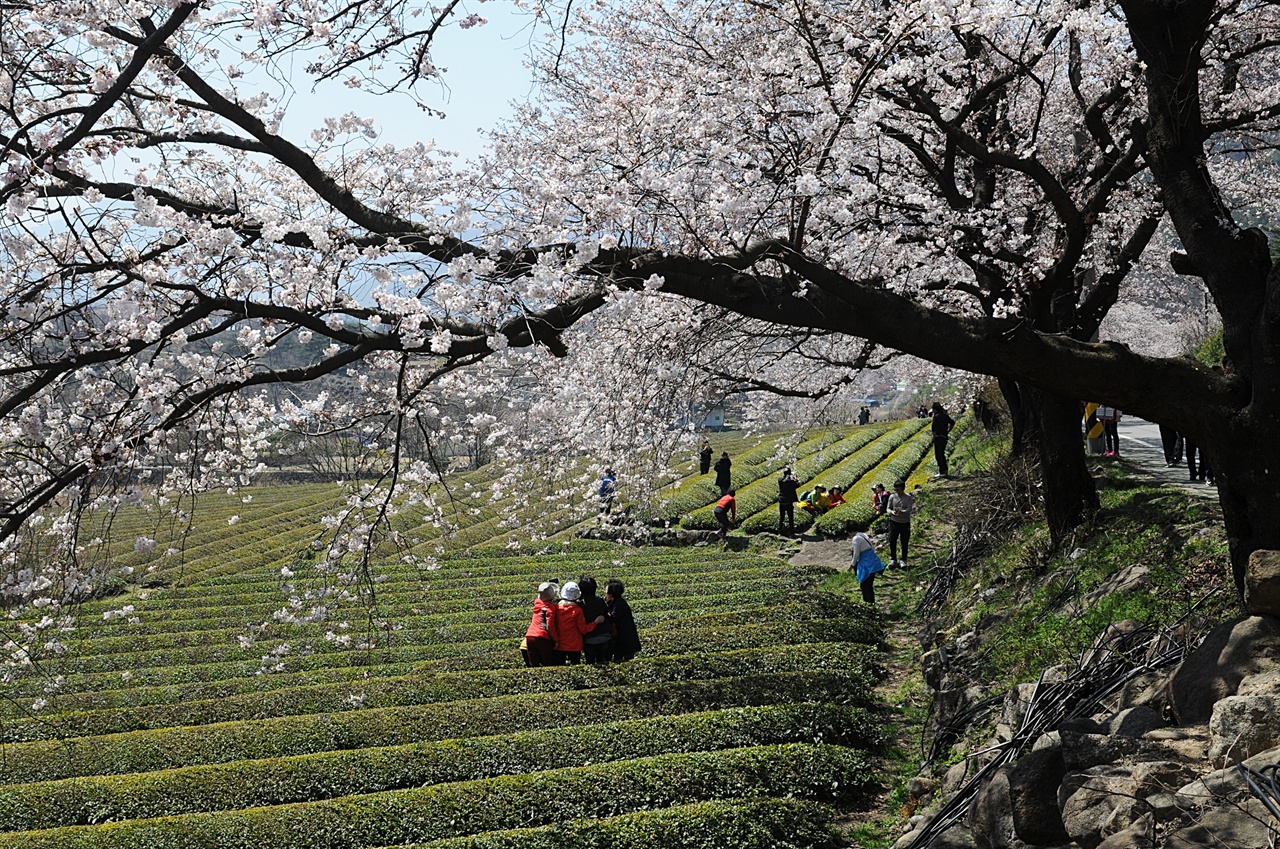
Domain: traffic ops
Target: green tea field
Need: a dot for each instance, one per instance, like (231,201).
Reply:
(225,699)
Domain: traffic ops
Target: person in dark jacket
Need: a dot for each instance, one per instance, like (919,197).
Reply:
(596,646)
(626,639)
(704,458)
(941,426)
(788,489)
(723,481)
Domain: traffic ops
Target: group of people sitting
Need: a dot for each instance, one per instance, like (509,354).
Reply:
(819,500)
(571,622)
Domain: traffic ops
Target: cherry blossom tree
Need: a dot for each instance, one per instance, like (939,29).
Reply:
(972,183)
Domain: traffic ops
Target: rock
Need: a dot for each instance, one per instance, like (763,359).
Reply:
(921,788)
(1115,635)
(1100,802)
(1047,741)
(1135,722)
(956,837)
(1107,800)
(1224,785)
(1150,688)
(1016,702)
(1262,583)
(1082,751)
(1232,651)
(1231,827)
(955,778)
(1140,835)
(1018,807)
(932,665)
(1242,726)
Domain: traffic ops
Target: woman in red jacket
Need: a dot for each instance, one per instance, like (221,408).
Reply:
(571,624)
(540,639)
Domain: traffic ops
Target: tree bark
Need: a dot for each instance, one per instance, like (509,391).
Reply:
(1069,491)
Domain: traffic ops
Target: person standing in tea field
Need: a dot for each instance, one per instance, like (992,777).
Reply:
(704,457)
(723,478)
(901,507)
(788,487)
(607,493)
(596,646)
(540,639)
(626,637)
(571,625)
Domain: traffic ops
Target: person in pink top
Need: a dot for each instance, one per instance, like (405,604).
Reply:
(572,625)
(540,639)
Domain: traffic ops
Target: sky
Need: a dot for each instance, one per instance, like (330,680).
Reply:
(484,73)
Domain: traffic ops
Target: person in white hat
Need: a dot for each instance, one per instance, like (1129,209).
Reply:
(540,639)
(571,624)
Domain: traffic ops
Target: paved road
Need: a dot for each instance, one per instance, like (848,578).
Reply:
(1140,445)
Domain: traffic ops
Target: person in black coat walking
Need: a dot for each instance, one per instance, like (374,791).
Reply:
(723,480)
(941,425)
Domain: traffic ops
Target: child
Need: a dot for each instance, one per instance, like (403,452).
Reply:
(626,639)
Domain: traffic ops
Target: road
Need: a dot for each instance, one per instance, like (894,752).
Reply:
(1140,445)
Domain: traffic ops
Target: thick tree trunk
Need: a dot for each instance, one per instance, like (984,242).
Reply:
(1022,438)
(1069,491)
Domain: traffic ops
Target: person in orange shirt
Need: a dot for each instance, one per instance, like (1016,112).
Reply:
(726,508)
(540,639)
(572,624)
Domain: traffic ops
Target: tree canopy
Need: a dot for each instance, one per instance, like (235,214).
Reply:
(973,183)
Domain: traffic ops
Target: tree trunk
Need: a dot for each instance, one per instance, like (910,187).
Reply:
(1021,439)
(1069,491)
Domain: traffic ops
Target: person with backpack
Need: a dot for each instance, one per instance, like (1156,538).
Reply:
(865,562)
(607,493)
(788,485)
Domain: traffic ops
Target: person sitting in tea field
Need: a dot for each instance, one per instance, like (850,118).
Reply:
(837,498)
(815,501)
(572,625)
(540,639)
(626,638)
(596,646)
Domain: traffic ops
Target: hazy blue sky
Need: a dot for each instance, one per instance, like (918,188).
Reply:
(485,73)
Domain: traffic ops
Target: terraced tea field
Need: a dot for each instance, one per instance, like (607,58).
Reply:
(743,720)
(204,715)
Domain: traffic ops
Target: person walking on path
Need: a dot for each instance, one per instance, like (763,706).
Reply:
(788,486)
(865,562)
(726,512)
(1110,418)
(723,480)
(704,457)
(1171,442)
(608,492)
(942,425)
(901,507)
(1200,471)
(540,639)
